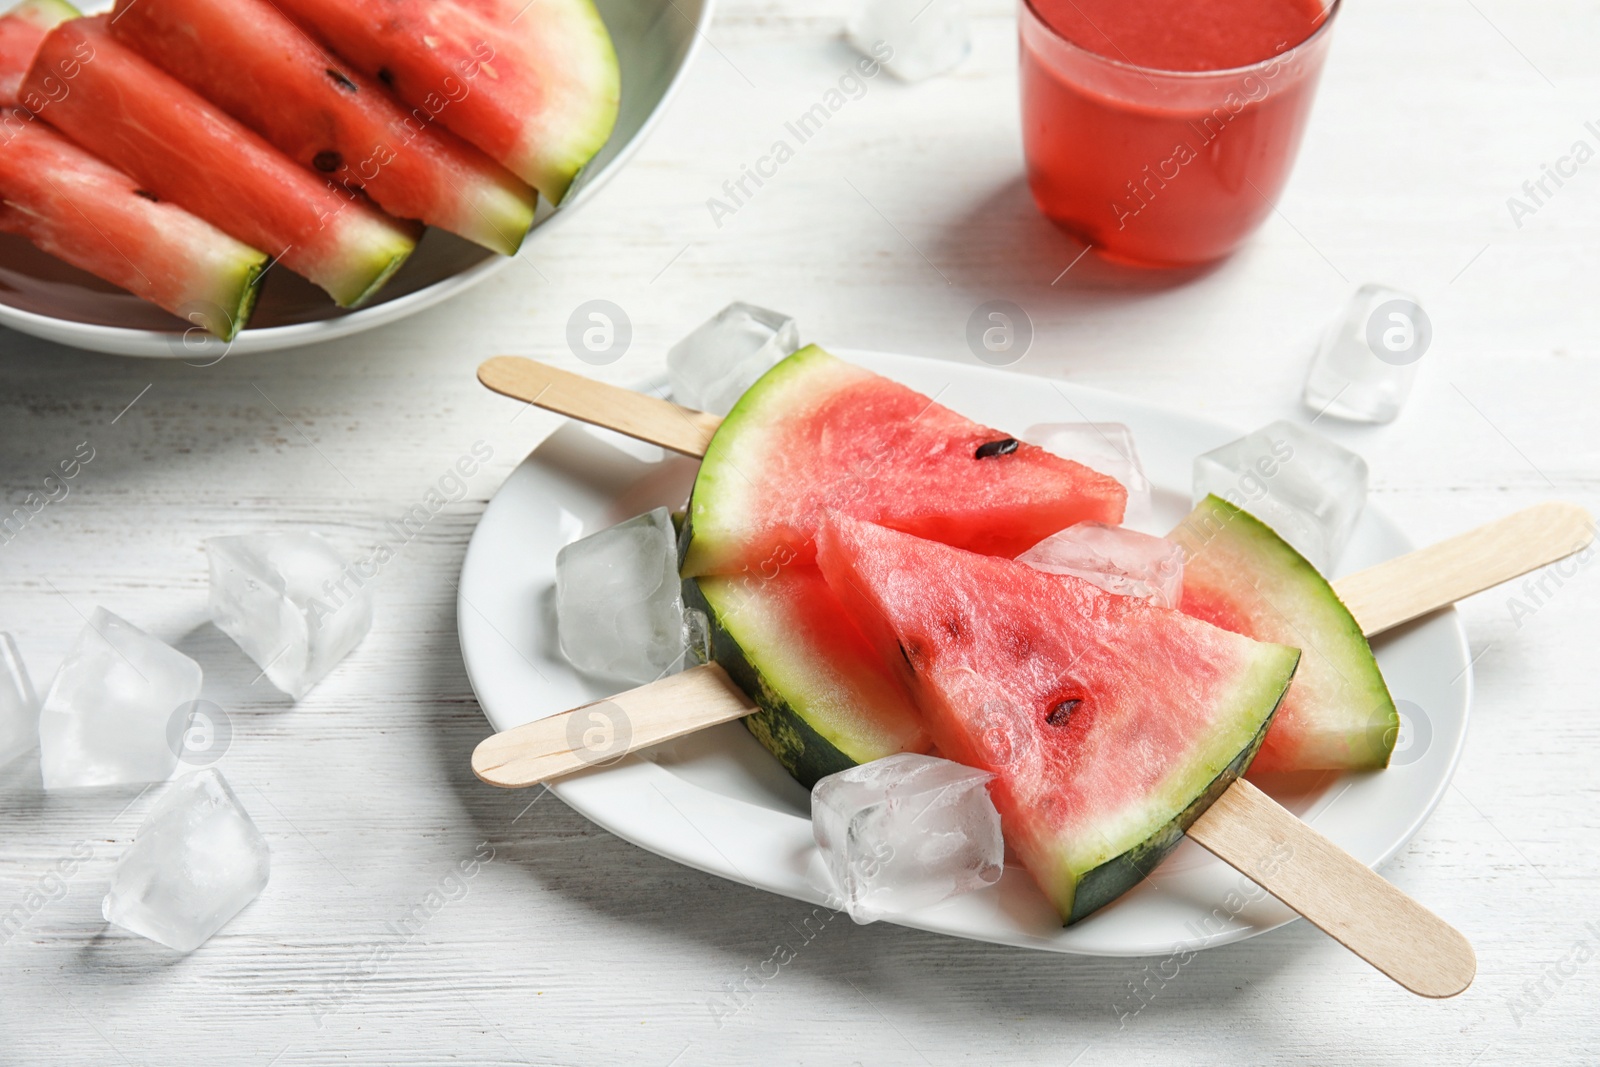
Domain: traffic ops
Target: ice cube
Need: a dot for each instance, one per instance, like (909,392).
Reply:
(915,39)
(906,832)
(290,602)
(1117,559)
(1367,361)
(19,706)
(1306,487)
(712,367)
(194,864)
(106,717)
(1106,447)
(619,604)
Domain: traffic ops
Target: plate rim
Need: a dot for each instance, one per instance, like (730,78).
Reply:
(157,344)
(571,789)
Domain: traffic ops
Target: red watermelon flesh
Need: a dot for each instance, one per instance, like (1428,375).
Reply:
(1110,724)
(21,30)
(98,219)
(534,85)
(818,434)
(184,149)
(252,62)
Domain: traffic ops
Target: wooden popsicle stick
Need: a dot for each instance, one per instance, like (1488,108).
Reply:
(605,731)
(1431,578)
(648,418)
(1336,892)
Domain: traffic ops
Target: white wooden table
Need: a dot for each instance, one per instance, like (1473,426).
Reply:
(885,231)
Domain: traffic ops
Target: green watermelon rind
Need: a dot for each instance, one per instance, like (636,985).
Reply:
(1321,621)
(717,487)
(798,736)
(358,285)
(558,171)
(253,272)
(45,14)
(507,220)
(1105,883)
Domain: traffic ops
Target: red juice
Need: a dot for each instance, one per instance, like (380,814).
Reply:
(1162,131)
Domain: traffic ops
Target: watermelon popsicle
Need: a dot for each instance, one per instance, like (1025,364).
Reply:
(252,62)
(1110,724)
(817,434)
(182,149)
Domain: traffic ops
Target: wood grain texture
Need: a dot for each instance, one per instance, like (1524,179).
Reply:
(605,731)
(1417,583)
(574,947)
(1336,892)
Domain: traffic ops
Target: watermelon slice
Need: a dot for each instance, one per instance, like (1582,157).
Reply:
(534,84)
(828,700)
(95,217)
(1110,724)
(252,62)
(180,148)
(21,30)
(816,433)
(1241,576)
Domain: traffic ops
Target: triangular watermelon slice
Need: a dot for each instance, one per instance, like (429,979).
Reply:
(533,83)
(93,216)
(183,149)
(817,433)
(1110,724)
(264,70)
(1241,576)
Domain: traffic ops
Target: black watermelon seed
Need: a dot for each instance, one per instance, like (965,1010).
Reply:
(327,162)
(148,195)
(341,81)
(385,76)
(1003,447)
(1061,712)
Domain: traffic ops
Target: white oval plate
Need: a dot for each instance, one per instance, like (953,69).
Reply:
(718,802)
(42,296)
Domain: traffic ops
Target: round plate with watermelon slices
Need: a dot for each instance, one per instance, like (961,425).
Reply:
(719,802)
(40,295)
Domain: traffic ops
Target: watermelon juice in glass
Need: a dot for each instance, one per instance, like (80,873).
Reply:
(1162,131)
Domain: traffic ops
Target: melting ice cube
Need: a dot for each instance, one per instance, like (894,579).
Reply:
(712,367)
(19,707)
(195,862)
(107,716)
(1307,488)
(1116,559)
(619,603)
(914,39)
(290,602)
(1106,447)
(1367,361)
(906,832)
